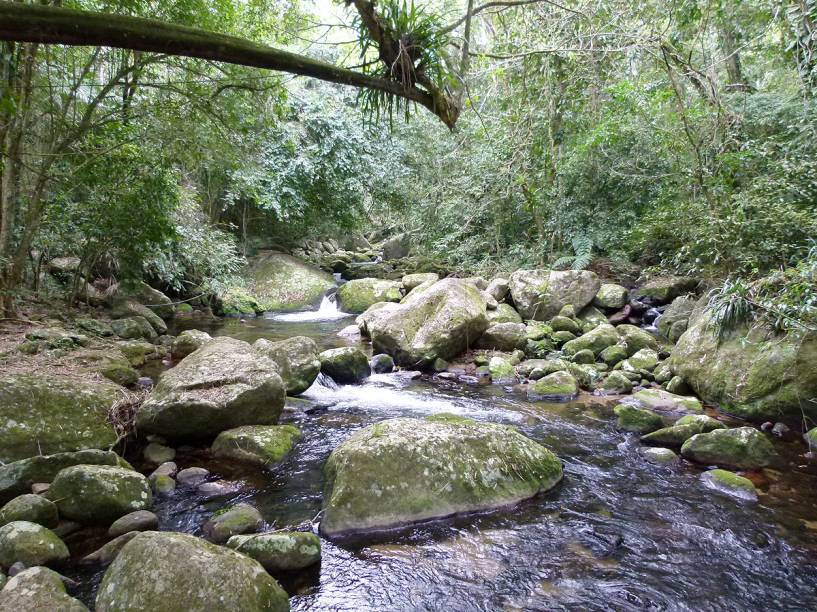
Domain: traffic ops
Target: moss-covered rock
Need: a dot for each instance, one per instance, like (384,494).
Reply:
(45,414)
(139,352)
(345,365)
(742,448)
(503,337)
(237,301)
(678,312)
(541,294)
(110,363)
(440,323)
(31,544)
(636,339)
(146,295)
(811,438)
(38,589)
(123,308)
(188,342)
(99,494)
(175,572)
(637,420)
(223,384)
(613,354)
(584,356)
(297,359)
(260,444)
(683,429)
(405,470)
(616,382)
(663,401)
(596,340)
(279,550)
(661,456)
(730,483)
(232,521)
(356,296)
(410,281)
(645,359)
(381,364)
(665,289)
(283,283)
(611,296)
(133,328)
(559,386)
(559,323)
(31,508)
(157,453)
(752,373)
(501,370)
(95,326)
(505,313)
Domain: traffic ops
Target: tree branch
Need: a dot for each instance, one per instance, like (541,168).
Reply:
(507,4)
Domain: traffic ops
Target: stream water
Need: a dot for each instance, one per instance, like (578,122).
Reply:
(619,533)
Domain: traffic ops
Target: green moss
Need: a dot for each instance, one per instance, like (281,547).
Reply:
(30,543)
(260,444)
(32,508)
(279,550)
(730,483)
(596,340)
(283,283)
(637,420)
(683,429)
(356,296)
(743,448)
(558,386)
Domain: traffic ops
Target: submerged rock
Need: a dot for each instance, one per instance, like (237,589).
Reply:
(730,483)
(31,508)
(284,283)
(406,470)
(358,295)
(46,414)
(175,572)
(223,384)
(541,294)
(346,365)
(742,448)
(30,544)
(38,589)
(260,444)
(279,550)
(297,360)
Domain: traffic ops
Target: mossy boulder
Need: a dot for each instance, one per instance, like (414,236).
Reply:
(616,382)
(611,296)
(613,354)
(279,550)
(730,484)
(501,370)
(146,295)
(297,359)
(636,339)
(356,296)
(742,448)
(345,365)
(405,470)
(645,359)
(260,444)
(504,337)
(133,328)
(441,322)
(46,414)
(223,384)
(110,363)
(558,386)
(584,356)
(123,308)
(31,544)
(38,589)
(99,494)
(752,372)
(232,521)
(176,572)
(95,326)
(17,477)
(189,341)
(595,340)
(665,289)
(637,420)
(237,301)
(283,283)
(541,294)
(663,401)
(559,323)
(410,281)
(505,313)
(661,456)
(683,429)
(139,352)
(676,317)
(31,508)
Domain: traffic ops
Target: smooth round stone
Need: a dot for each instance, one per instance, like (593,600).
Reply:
(662,456)
(31,544)
(730,483)
(192,477)
(219,488)
(236,520)
(141,520)
(168,468)
(32,508)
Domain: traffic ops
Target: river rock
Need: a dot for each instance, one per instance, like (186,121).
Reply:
(263,445)
(661,456)
(235,520)
(406,470)
(123,308)
(811,438)
(146,295)
(637,420)
(192,476)
(38,589)
(133,328)
(498,288)
(676,317)
(188,341)
(742,448)
(441,322)
(595,340)
(175,572)
(345,365)
(559,386)
(617,382)
(139,352)
(410,281)
(611,296)
(504,313)
(279,551)
(665,289)
(752,373)
(297,359)
(358,295)
(31,508)
(683,429)
(504,337)
(99,494)
(284,283)
(613,354)
(397,247)
(30,544)
(46,414)
(106,554)
(223,384)
(381,364)
(158,453)
(730,484)
(541,294)
(645,359)
(663,401)
(141,520)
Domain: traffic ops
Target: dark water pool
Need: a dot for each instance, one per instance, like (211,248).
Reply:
(618,534)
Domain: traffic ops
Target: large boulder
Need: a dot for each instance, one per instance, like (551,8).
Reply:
(611,296)
(32,508)
(675,319)
(541,294)
(110,363)
(45,414)
(752,372)
(664,289)
(397,247)
(595,340)
(297,360)
(279,550)
(439,323)
(405,470)
(558,386)
(357,295)
(346,365)
(504,313)
(176,572)
(133,328)
(635,339)
(412,281)
(38,589)
(146,295)
(282,282)
(263,445)
(128,308)
(222,385)
(504,337)
(99,494)
(743,448)
(30,543)
(189,341)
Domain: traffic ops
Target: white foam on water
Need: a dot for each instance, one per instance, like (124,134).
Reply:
(328,311)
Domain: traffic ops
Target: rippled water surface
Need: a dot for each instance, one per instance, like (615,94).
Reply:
(619,533)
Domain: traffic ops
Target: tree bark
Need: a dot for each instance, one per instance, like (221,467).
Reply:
(52,25)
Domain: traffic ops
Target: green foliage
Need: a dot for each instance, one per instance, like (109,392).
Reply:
(582,254)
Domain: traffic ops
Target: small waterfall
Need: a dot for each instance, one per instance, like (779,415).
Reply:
(327,311)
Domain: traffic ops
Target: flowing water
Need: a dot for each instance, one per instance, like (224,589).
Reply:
(618,534)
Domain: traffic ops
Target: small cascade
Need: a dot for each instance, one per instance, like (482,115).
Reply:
(327,311)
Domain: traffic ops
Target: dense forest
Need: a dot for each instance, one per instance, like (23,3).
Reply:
(408,304)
